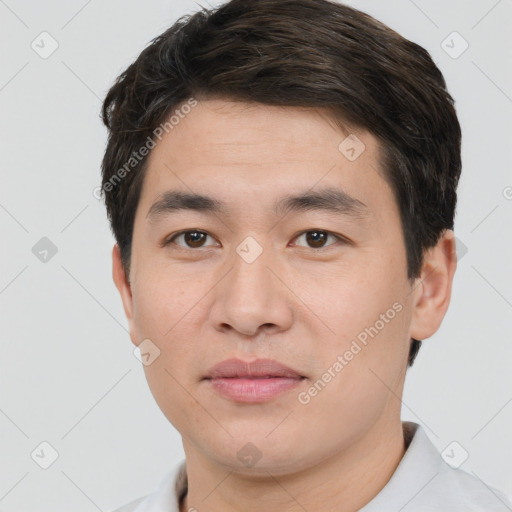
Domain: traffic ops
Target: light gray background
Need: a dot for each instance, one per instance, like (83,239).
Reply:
(68,375)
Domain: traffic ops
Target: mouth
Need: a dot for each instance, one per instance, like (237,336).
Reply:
(252,382)
(257,369)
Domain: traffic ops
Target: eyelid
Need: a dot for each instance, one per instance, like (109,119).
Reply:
(170,239)
(339,238)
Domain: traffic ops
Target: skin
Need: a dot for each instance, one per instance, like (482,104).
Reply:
(299,305)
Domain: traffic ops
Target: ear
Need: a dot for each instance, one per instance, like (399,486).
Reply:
(123,286)
(432,290)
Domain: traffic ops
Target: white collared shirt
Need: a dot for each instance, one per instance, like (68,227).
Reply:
(422,482)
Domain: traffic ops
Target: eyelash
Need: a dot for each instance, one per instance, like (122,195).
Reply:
(171,239)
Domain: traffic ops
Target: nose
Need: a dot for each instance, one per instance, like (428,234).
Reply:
(252,297)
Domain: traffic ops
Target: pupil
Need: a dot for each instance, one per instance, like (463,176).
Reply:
(193,237)
(312,238)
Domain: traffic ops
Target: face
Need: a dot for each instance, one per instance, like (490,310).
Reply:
(318,284)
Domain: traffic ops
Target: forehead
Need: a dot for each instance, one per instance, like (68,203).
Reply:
(238,150)
(235,131)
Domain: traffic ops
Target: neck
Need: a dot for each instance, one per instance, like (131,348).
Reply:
(344,482)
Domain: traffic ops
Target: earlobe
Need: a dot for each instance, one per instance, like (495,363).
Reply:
(433,292)
(124,288)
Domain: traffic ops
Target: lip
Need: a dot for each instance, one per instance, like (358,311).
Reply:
(234,367)
(252,382)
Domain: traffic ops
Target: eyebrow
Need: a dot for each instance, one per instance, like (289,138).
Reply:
(328,199)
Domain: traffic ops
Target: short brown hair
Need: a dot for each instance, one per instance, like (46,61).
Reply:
(296,53)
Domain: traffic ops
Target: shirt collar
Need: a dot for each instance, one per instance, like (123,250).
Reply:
(423,481)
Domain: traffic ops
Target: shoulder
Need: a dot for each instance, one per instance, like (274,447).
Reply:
(165,497)
(445,487)
(425,482)
(464,491)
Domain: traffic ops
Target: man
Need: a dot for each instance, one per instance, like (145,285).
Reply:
(280,177)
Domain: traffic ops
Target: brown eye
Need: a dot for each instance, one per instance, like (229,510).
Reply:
(316,239)
(193,239)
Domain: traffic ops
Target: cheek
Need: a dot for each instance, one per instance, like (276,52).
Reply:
(164,312)
(164,302)
(367,369)
(170,391)
(351,301)
(368,312)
